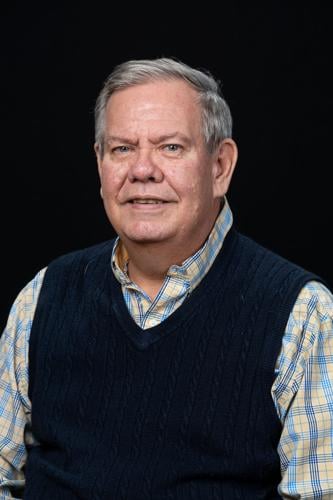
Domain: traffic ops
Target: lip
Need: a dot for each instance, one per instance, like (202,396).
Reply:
(147,204)
(147,207)
(146,200)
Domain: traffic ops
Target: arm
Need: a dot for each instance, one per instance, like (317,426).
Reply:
(303,395)
(15,408)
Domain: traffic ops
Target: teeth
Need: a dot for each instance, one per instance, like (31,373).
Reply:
(151,202)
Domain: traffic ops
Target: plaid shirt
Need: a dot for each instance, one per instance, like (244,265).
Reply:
(302,390)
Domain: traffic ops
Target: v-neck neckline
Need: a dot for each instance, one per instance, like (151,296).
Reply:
(110,297)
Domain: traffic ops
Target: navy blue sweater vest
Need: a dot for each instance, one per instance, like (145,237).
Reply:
(179,411)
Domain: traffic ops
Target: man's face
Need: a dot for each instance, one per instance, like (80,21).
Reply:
(158,181)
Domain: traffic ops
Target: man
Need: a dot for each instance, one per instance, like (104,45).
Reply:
(181,360)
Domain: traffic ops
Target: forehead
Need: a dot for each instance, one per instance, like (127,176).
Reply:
(166,101)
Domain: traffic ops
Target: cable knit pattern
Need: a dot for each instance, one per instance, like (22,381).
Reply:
(178,411)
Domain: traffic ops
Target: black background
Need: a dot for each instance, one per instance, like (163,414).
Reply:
(274,64)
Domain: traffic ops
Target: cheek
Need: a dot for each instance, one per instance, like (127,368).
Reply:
(188,183)
(112,179)
(182,179)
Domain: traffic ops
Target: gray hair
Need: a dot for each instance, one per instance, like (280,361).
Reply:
(216,116)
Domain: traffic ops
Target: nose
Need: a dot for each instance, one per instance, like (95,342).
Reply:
(144,168)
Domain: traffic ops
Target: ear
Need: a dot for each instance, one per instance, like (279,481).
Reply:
(97,149)
(224,166)
(99,163)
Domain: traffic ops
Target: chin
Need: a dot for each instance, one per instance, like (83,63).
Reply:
(140,236)
(145,238)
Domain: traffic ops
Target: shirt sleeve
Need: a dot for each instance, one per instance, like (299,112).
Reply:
(303,396)
(15,407)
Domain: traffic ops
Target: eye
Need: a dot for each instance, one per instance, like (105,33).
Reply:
(120,149)
(173,148)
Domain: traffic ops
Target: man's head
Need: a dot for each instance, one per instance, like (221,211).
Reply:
(216,116)
(164,152)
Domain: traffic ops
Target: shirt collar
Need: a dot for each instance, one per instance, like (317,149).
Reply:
(195,267)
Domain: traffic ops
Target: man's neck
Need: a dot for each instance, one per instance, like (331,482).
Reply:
(148,264)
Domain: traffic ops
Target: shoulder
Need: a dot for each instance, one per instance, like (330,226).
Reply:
(75,271)
(14,342)
(76,263)
(22,310)
(84,255)
(259,248)
(275,268)
(313,309)
(318,293)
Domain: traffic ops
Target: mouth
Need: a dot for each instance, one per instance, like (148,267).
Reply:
(147,201)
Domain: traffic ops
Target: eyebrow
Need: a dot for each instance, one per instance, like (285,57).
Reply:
(116,138)
(161,138)
(173,135)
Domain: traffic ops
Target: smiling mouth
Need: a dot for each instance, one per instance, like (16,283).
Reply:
(147,202)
